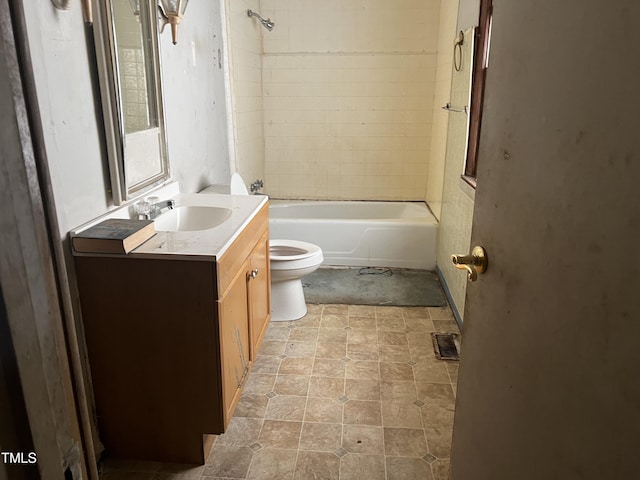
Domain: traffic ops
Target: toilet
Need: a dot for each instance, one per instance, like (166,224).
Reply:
(290,261)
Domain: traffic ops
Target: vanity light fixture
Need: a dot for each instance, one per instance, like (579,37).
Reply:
(172,11)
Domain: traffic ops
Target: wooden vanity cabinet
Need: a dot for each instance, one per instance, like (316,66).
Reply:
(171,342)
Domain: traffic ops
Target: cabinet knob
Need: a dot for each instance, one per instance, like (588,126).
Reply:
(254,273)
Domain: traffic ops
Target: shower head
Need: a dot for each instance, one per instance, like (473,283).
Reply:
(268,24)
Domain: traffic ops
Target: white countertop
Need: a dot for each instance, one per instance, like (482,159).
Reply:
(203,244)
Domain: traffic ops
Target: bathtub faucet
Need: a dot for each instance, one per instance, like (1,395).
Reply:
(256,186)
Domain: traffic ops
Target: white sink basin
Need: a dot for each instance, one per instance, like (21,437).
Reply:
(191,219)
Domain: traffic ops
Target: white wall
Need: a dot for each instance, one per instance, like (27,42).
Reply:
(348,98)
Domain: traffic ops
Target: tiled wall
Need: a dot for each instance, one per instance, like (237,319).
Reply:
(454,234)
(245,51)
(348,98)
(444,63)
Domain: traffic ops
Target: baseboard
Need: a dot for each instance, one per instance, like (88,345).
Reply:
(445,287)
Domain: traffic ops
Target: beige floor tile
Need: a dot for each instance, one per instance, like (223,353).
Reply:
(272,463)
(386,337)
(363,351)
(420,339)
(331,350)
(280,334)
(368,323)
(325,410)
(399,468)
(273,347)
(310,320)
(362,389)
(363,369)
(362,336)
(332,335)
(431,370)
(391,324)
(286,407)
(394,353)
(440,469)
(264,364)
(400,414)
(326,387)
(452,368)
(389,312)
(292,385)
(231,462)
(280,434)
(419,325)
(440,313)
(362,310)
(251,406)
(241,432)
(362,467)
(449,326)
(363,439)
(329,367)
(439,441)
(422,353)
(259,384)
(300,349)
(335,309)
(393,391)
(334,321)
(415,312)
(362,412)
(438,415)
(396,371)
(317,465)
(435,392)
(404,442)
(296,366)
(322,437)
(303,335)
(314,309)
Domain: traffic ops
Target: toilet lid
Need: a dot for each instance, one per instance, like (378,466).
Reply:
(237,185)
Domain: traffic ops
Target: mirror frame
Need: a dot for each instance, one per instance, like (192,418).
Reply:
(111,96)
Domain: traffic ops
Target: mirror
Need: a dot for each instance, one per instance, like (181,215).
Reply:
(128,65)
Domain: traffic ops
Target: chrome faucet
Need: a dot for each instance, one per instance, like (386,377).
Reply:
(148,211)
(256,186)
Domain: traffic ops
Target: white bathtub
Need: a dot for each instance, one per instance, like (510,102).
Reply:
(366,234)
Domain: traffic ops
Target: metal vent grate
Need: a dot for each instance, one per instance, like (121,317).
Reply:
(446,346)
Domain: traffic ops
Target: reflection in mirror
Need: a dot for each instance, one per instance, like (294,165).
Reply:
(127,42)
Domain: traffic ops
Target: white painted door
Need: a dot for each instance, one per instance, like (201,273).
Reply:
(549,384)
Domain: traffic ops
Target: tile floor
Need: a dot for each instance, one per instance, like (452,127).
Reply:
(348,392)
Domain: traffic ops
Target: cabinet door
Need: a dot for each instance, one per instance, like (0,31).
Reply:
(234,341)
(259,284)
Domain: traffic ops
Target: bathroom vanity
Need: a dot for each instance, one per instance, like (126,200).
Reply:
(172,330)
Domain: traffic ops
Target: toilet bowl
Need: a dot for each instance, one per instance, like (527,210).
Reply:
(290,261)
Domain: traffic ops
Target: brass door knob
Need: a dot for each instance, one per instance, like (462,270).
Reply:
(474,263)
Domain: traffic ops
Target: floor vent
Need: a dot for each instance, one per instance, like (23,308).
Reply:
(446,346)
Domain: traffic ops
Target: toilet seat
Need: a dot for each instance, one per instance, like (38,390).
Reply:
(293,254)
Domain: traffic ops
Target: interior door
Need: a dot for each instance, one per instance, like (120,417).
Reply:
(549,382)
